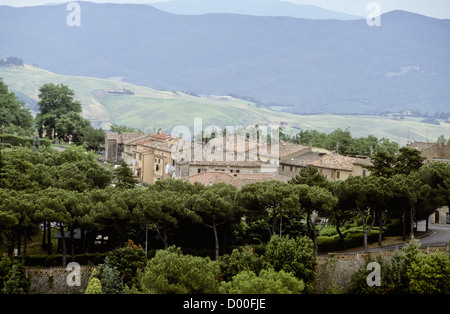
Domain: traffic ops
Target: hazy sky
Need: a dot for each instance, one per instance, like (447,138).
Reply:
(434,8)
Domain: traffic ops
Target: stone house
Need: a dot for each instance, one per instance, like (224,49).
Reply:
(333,166)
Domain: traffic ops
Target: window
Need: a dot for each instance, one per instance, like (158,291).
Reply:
(364,172)
(338,175)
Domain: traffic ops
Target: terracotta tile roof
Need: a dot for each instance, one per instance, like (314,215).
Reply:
(158,145)
(160,136)
(238,180)
(284,149)
(231,163)
(329,161)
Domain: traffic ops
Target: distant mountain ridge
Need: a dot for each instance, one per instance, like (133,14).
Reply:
(308,66)
(251,7)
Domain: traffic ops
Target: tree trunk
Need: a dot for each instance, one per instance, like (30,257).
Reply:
(216,238)
(24,252)
(366,230)
(19,242)
(268,228)
(341,236)
(380,231)
(44,233)
(49,237)
(72,244)
(411,213)
(404,225)
(63,245)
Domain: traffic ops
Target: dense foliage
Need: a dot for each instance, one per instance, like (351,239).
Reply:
(261,238)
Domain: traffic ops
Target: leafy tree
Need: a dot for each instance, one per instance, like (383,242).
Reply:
(54,102)
(267,282)
(12,111)
(309,175)
(268,200)
(18,169)
(365,196)
(74,169)
(23,206)
(216,205)
(93,138)
(342,212)
(2,170)
(317,203)
(111,214)
(382,164)
(294,256)
(163,210)
(408,160)
(437,176)
(172,272)
(56,205)
(412,198)
(124,177)
(71,126)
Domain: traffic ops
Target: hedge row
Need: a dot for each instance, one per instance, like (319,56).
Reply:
(352,240)
(56,260)
(23,141)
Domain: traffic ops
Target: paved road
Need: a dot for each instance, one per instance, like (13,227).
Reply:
(439,237)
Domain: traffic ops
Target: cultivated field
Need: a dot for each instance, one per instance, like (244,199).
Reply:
(149,109)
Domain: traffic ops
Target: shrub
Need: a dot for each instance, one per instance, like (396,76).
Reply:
(429,274)
(13,279)
(110,278)
(94,285)
(294,256)
(171,272)
(241,259)
(268,282)
(127,261)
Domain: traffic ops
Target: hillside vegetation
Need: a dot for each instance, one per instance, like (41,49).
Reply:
(148,109)
(310,66)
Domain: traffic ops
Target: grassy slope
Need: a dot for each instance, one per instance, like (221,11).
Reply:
(150,109)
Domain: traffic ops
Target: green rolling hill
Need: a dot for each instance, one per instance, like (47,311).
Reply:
(105,101)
